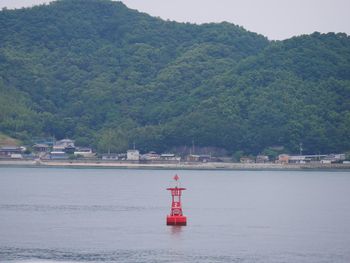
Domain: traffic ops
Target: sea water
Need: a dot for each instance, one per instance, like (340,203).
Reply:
(118,215)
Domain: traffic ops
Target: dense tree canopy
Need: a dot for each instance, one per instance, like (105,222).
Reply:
(109,76)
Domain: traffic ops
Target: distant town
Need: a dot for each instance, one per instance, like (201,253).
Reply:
(66,150)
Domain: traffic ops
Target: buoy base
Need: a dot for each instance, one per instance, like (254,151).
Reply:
(176,220)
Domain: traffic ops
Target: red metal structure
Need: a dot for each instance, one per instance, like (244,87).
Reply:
(176,217)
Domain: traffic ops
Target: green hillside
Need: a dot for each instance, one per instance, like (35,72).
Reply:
(99,72)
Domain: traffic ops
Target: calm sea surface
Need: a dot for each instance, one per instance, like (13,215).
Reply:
(116,215)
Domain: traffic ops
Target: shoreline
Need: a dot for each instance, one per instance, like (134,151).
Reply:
(170,166)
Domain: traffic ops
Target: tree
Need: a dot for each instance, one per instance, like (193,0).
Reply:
(112,140)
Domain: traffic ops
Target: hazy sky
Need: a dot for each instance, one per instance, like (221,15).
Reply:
(276,19)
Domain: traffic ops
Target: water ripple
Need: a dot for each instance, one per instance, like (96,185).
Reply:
(22,255)
(96,208)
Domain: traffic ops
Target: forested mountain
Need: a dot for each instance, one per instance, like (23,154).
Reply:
(101,73)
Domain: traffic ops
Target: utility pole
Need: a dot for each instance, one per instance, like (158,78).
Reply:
(109,136)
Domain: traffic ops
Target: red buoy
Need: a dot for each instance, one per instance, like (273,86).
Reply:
(176,217)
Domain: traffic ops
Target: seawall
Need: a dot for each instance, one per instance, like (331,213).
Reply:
(180,165)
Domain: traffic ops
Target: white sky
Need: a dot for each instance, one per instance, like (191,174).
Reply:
(276,19)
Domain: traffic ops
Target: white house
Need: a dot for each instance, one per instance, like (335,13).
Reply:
(133,155)
(85,152)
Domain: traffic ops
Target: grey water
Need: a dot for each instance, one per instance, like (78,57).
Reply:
(118,215)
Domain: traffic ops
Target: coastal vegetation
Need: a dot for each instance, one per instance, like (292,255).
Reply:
(6,140)
(110,77)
